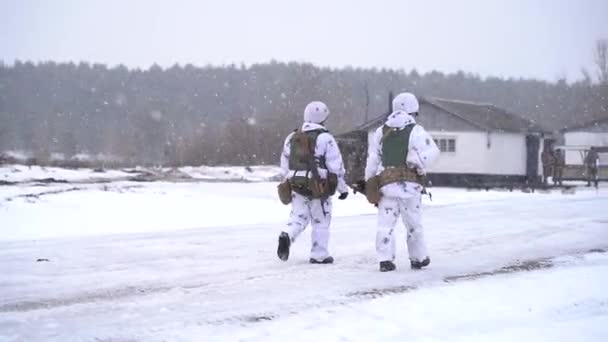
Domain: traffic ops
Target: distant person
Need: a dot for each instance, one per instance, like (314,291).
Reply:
(548,161)
(558,168)
(399,155)
(592,163)
(312,166)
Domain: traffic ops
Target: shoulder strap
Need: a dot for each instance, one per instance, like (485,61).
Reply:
(386,131)
(315,134)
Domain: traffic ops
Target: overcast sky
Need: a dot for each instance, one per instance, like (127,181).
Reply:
(510,38)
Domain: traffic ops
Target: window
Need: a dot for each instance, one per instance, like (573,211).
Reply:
(451,145)
(446,144)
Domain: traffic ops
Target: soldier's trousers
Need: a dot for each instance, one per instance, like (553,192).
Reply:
(558,173)
(318,214)
(592,176)
(390,209)
(547,172)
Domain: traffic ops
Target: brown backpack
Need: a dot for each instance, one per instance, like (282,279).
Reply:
(302,158)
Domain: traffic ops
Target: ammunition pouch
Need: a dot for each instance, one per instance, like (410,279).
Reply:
(399,174)
(284,190)
(372,190)
(332,183)
(309,187)
(388,176)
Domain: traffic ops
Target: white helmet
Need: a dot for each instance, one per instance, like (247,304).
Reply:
(316,112)
(406,102)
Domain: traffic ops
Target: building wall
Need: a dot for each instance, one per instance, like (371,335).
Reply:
(584,139)
(481,153)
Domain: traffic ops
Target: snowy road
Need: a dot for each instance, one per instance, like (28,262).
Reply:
(221,279)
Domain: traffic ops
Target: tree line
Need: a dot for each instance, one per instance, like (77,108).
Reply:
(236,114)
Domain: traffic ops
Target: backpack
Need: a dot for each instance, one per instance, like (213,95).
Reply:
(302,150)
(302,158)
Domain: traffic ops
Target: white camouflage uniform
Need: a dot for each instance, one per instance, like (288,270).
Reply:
(305,210)
(401,198)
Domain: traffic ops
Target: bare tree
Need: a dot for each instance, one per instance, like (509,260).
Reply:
(366,90)
(601,60)
(586,77)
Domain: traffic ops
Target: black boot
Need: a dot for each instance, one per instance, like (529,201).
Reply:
(416,265)
(328,260)
(387,266)
(284,244)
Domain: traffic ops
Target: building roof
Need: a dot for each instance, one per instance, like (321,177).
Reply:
(600,124)
(485,116)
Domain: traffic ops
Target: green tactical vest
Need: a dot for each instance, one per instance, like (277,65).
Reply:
(302,146)
(395,145)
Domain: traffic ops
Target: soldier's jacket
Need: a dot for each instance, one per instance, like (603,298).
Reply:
(559,159)
(592,160)
(547,158)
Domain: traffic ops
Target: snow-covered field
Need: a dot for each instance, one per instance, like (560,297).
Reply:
(195,261)
(39,174)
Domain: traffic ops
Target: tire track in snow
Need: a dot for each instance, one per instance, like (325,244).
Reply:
(93,297)
(369,294)
(353,296)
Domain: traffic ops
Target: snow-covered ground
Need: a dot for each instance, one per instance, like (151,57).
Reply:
(568,302)
(26,174)
(132,261)
(32,174)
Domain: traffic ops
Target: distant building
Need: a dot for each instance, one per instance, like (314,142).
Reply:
(585,135)
(481,144)
(578,140)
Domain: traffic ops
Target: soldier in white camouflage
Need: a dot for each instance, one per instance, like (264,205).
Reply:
(592,165)
(399,155)
(313,171)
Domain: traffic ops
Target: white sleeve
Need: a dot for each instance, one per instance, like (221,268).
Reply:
(422,151)
(374,154)
(334,163)
(285,156)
